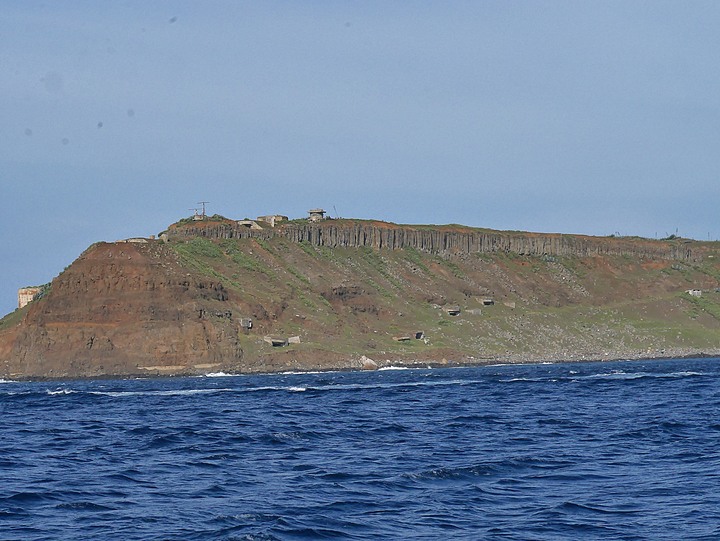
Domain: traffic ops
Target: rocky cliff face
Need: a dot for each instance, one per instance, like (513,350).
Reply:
(124,308)
(445,239)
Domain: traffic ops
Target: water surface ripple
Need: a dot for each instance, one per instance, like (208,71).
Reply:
(622,450)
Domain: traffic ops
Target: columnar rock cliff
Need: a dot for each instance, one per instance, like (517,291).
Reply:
(443,239)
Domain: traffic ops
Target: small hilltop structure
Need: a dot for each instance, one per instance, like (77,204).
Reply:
(272,219)
(316,215)
(198,216)
(27,294)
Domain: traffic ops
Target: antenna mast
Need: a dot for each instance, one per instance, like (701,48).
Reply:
(203,203)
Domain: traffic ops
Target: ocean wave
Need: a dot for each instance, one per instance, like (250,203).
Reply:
(84,506)
(528,380)
(686,374)
(367,455)
(574,507)
(340,387)
(615,375)
(175,392)
(29,497)
(60,392)
(368,382)
(301,373)
(509,467)
(622,375)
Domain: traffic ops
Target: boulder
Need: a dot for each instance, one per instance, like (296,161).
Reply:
(366,363)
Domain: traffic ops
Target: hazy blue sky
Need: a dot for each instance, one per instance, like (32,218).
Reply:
(589,117)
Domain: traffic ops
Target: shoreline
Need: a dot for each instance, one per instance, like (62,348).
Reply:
(383,366)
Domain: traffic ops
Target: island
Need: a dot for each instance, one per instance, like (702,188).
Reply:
(217,295)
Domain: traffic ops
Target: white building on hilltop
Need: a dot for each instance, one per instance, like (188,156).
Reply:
(26,295)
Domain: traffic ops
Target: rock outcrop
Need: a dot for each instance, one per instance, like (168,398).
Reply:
(444,239)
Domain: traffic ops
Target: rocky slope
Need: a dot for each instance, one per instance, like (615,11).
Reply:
(122,308)
(346,291)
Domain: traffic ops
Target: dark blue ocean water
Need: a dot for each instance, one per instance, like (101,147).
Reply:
(622,450)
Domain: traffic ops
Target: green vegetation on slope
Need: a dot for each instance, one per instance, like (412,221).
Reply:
(355,301)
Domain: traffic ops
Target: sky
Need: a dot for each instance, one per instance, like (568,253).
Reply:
(117,118)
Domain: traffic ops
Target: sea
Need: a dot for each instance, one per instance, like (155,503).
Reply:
(614,450)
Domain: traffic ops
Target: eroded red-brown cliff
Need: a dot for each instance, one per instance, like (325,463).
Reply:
(124,308)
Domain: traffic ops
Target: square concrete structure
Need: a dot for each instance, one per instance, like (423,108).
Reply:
(26,294)
(250,224)
(272,219)
(316,215)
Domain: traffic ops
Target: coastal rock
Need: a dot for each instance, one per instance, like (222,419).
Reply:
(367,363)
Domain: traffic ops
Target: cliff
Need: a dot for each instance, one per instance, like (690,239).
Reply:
(443,239)
(122,308)
(349,290)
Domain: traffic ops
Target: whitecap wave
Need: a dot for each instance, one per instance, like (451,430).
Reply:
(622,375)
(687,374)
(627,375)
(60,391)
(177,392)
(362,386)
